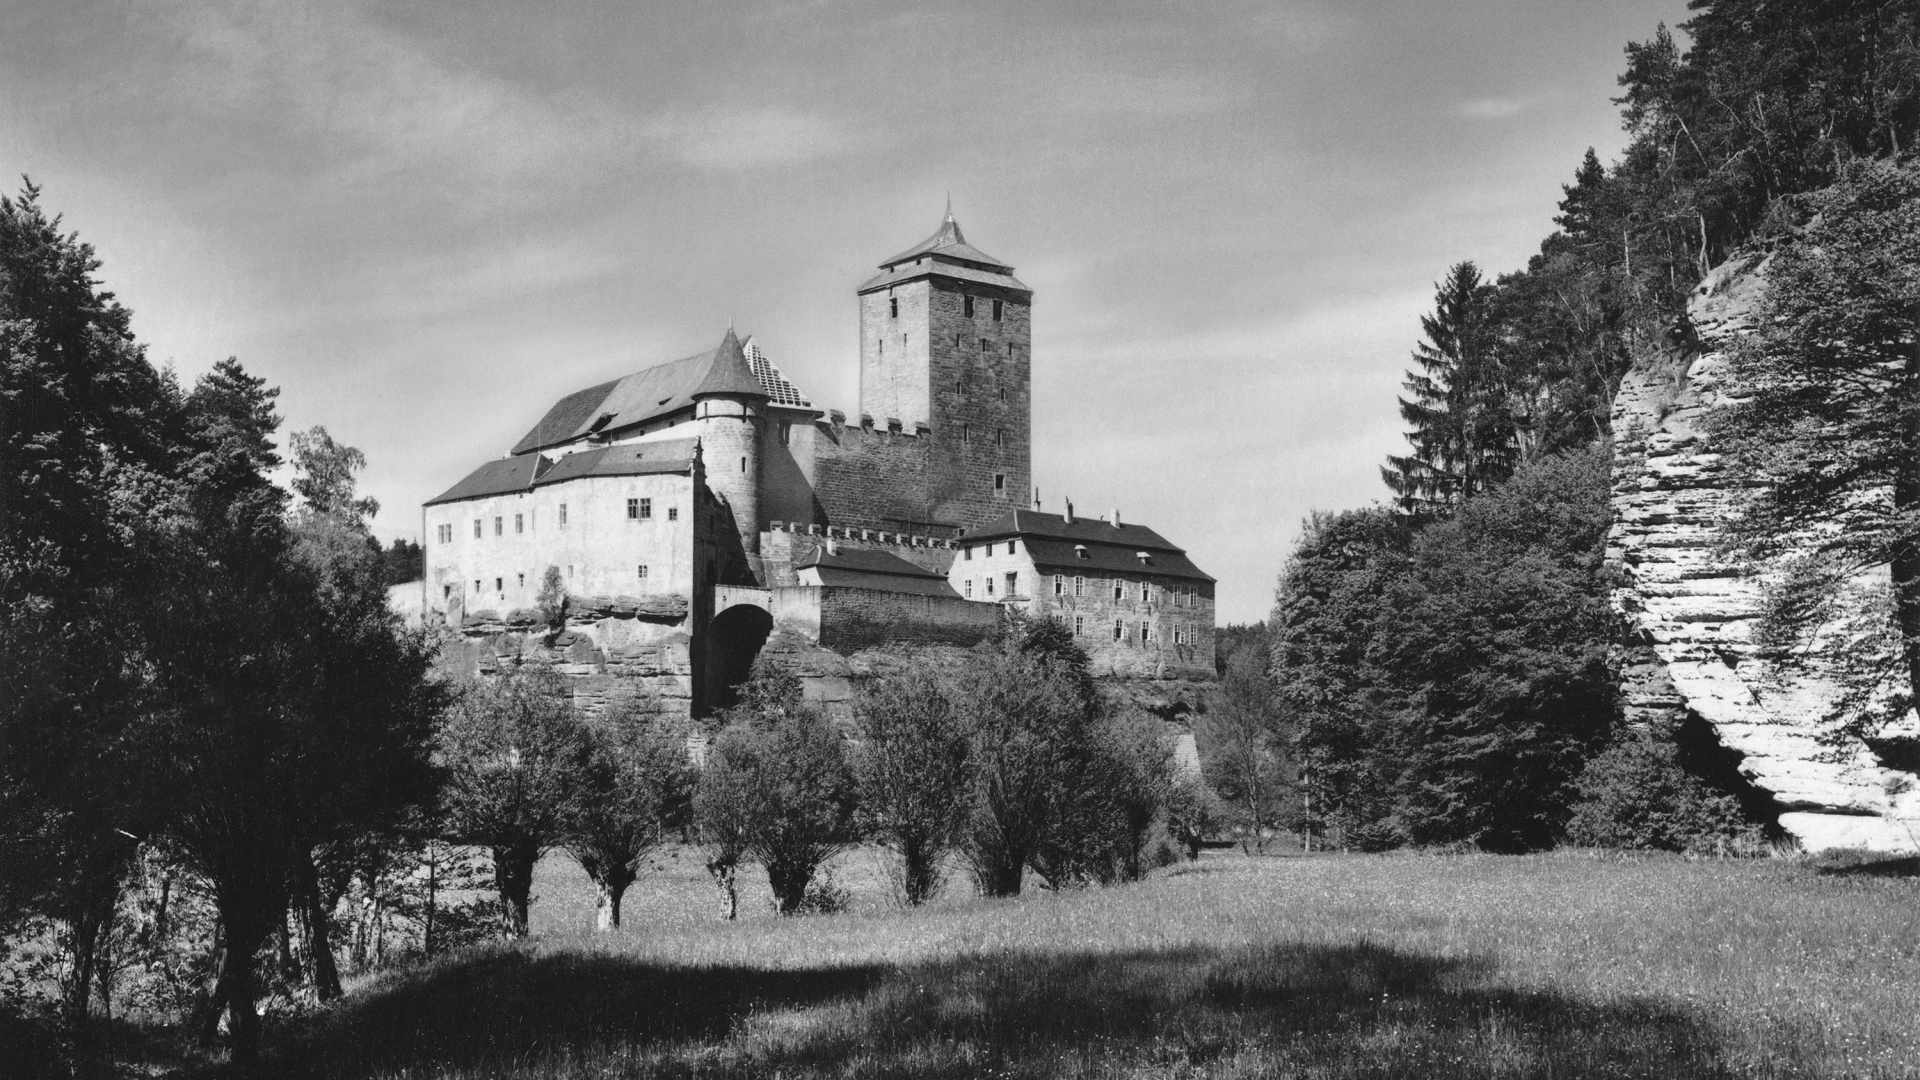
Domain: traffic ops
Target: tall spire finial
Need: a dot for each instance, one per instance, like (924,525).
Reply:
(949,206)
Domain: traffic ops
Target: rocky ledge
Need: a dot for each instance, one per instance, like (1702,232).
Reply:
(1693,614)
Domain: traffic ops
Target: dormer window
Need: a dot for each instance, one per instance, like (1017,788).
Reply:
(602,421)
(1145,559)
(1080,552)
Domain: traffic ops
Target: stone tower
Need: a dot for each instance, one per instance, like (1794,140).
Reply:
(946,344)
(729,413)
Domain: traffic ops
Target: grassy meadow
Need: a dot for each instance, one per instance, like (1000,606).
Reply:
(1331,966)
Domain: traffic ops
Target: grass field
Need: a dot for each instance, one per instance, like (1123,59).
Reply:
(1548,966)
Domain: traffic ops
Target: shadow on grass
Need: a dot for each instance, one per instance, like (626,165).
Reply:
(1332,1011)
(1899,866)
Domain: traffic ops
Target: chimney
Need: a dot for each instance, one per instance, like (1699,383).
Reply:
(1068,516)
(1116,517)
(833,546)
(1036,500)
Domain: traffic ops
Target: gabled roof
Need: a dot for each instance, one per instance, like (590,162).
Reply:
(500,476)
(862,568)
(645,395)
(1054,541)
(505,476)
(947,254)
(729,373)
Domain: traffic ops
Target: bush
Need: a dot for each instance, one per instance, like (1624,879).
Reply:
(1635,795)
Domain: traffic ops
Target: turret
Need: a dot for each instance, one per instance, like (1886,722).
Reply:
(729,413)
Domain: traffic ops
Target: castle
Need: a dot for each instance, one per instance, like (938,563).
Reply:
(693,510)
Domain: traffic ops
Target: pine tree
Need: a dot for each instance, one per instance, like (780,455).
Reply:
(1461,431)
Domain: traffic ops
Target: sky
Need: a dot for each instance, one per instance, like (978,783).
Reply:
(426,221)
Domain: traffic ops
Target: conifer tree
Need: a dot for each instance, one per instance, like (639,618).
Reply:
(1460,428)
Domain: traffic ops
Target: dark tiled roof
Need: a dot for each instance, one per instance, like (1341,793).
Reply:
(906,272)
(655,392)
(948,254)
(1052,541)
(934,586)
(508,475)
(497,477)
(865,560)
(729,373)
(629,459)
(1064,556)
(947,240)
(568,415)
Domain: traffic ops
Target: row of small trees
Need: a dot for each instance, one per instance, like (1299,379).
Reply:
(1010,761)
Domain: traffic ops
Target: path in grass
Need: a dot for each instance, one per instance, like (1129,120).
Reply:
(1328,967)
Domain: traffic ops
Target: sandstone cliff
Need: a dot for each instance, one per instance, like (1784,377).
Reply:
(1692,615)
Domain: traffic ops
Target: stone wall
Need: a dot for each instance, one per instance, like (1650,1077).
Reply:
(870,476)
(1692,652)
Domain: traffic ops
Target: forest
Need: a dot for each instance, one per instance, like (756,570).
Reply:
(1445,662)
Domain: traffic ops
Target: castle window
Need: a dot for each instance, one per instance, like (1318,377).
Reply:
(966,432)
(498,528)
(646,508)
(643,573)
(446,592)
(563,515)
(966,302)
(1079,625)
(786,433)
(476,584)
(988,582)
(1079,585)
(1146,593)
(1119,589)
(1013,583)
(444,534)
(633,509)
(499,586)
(1059,585)
(1003,393)
(1179,636)
(967,553)
(1010,548)
(969,592)
(999,436)
(673,513)
(983,344)
(519,524)
(569,571)
(1146,631)
(523,581)
(894,303)
(999,483)
(1193,597)
(1119,629)
(996,311)
(1009,348)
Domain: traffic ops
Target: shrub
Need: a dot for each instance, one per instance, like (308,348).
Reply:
(1635,795)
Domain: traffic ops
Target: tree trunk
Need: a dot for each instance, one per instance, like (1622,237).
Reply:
(723,870)
(789,879)
(513,875)
(1906,498)
(316,937)
(242,933)
(610,887)
(919,873)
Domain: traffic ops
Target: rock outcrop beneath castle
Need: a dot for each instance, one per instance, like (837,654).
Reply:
(1693,615)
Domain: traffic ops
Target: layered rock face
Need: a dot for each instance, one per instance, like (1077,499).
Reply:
(1694,615)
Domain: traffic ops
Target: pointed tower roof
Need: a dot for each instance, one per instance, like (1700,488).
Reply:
(729,373)
(948,254)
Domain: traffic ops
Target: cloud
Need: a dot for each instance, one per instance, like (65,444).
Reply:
(749,137)
(1490,108)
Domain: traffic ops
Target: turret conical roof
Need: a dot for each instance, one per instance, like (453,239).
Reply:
(729,374)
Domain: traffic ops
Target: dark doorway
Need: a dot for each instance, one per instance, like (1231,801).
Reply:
(734,638)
